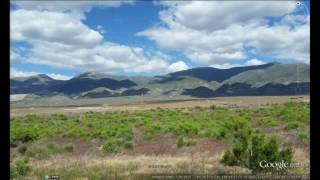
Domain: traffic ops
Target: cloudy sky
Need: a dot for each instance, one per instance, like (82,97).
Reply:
(65,38)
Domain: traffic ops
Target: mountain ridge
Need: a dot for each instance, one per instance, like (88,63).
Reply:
(201,81)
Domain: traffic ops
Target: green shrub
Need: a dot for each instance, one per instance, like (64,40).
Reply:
(51,146)
(68,147)
(198,108)
(30,153)
(20,168)
(182,141)
(187,128)
(24,135)
(251,151)
(113,146)
(304,136)
(268,122)
(228,158)
(190,142)
(13,172)
(14,143)
(212,107)
(128,145)
(293,125)
(22,149)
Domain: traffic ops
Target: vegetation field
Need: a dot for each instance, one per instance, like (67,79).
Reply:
(126,144)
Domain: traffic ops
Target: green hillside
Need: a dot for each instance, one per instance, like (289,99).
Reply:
(278,73)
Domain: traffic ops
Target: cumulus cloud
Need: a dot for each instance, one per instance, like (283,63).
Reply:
(75,9)
(16,73)
(211,33)
(178,66)
(212,15)
(59,76)
(53,27)
(60,40)
(252,62)
(216,32)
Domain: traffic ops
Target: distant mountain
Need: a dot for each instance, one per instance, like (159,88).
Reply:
(267,79)
(242,89)
(88,81)
(31,84)
(209,73)
(278,73)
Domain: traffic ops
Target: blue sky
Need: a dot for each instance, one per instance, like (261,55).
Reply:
(151,38)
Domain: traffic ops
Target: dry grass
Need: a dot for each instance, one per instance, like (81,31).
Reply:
(198,164)
(125,166)
(230,102)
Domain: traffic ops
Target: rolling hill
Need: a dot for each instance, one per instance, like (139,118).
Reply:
(202,82)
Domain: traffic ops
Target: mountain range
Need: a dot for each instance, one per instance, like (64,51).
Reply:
(202,82)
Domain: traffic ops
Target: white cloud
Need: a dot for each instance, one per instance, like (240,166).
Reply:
(216,32)
(178,66)
(16,73)
(75,9)
(106,57)
(254,62)
(225,66)
(212,15)
(59,76)
(53,27)
(210,33)
(60,40)
(209,57)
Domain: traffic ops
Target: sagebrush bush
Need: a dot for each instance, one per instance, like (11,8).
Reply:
(268,122)
(24,135)
(212,107)
(128,145)
(51,146)
(182,141)
(304,136)
(116,145)
(249,151)
(20,168)
(293,125)
(68,147)
(22,149)
(13,172)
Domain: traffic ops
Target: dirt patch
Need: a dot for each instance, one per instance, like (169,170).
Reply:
(166,144)
(80,146)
